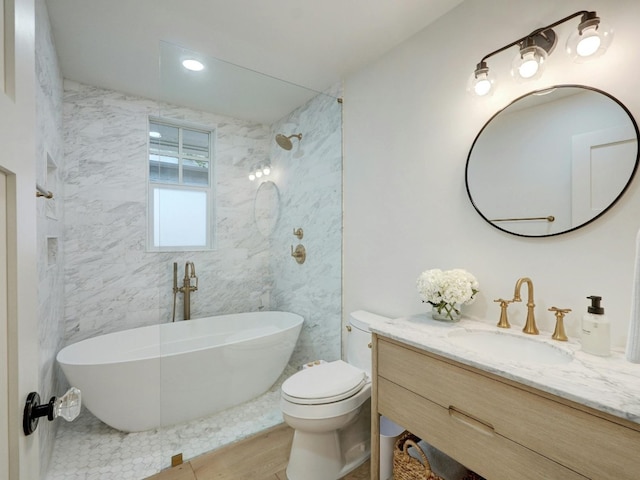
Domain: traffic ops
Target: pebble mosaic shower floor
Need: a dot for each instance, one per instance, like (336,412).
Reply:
(87,449)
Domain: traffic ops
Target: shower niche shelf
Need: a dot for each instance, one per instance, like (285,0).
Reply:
(52,251)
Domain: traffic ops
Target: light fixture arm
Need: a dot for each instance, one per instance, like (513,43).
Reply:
(590,40)
(586,16)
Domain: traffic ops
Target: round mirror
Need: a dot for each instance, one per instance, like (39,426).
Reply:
(552,161)
(266,208)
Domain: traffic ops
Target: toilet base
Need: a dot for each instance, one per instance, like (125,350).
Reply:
(333,454)
(318,457)
(314,456)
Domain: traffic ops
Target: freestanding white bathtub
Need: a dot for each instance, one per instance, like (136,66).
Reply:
(165,374)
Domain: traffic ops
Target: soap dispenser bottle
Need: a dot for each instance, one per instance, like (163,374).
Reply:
(596,329)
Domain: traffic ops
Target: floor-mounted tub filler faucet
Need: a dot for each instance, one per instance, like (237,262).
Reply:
(185,289)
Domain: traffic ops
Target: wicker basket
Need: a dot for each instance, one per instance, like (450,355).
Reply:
(406,467)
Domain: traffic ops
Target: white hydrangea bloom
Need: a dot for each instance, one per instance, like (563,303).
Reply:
(452,286)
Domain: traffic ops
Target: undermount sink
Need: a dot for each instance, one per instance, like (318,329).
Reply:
(507,347)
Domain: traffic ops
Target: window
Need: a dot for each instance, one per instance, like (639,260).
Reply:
(180,187)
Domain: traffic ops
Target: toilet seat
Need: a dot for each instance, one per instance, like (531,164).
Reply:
(325,383)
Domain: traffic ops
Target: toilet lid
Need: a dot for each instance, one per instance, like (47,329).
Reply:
(325,383)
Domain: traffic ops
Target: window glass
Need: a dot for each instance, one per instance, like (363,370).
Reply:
(180,190)
(195,172)
(164,139)
(163,169)
(195,144)
(180,218)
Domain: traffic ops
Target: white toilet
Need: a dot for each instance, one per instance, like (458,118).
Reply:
(328,406)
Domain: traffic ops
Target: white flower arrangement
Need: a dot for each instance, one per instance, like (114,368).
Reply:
(446,289)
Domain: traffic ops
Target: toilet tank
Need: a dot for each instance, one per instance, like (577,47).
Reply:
(359,338)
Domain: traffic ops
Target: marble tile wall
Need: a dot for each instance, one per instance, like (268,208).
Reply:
(310,181)
(50,216)
(111,282)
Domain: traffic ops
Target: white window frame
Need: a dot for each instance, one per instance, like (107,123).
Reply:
(209,191)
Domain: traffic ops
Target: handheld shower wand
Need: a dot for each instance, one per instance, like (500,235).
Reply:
(175,289)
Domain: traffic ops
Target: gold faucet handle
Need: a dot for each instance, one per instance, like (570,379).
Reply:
(558,333)
(504,320)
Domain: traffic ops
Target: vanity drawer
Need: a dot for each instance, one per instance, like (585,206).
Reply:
(470,442)
(589,444)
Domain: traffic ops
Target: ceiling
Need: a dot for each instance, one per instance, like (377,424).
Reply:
(117,44)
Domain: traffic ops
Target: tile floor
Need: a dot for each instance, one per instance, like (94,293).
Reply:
(87,449)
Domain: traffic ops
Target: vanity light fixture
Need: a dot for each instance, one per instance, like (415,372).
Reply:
(193,65)
(590,40)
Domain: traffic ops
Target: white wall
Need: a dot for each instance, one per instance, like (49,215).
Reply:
(409,125)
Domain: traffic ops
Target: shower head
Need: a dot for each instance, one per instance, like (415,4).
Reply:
(285,142)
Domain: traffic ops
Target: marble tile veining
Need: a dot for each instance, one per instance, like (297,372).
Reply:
(310,180)
(109,274)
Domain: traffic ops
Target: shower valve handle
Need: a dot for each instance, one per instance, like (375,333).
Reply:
(300,254)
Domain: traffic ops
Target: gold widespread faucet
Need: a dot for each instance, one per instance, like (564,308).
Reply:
(530,324)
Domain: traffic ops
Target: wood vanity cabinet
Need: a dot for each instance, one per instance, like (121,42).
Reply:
(501,429)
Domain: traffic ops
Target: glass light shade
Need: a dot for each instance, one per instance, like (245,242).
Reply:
(258,173)
(252,176)
(266,169)
(591,43)
(528,64)
(481,83)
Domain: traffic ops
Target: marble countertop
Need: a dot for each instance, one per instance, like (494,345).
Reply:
(609,384)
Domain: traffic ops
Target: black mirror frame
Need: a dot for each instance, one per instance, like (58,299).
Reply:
(622,192)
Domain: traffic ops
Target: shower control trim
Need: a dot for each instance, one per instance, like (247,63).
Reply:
(300,254)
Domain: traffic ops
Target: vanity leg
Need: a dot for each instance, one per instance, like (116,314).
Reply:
(375,416)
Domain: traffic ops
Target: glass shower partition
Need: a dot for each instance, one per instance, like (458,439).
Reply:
(224,201)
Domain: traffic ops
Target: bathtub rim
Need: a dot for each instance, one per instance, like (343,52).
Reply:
(158,354)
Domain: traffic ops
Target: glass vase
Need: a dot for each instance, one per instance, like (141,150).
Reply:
(446,312)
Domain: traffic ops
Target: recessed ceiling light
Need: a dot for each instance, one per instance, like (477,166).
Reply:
(155,134)
(193,65)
